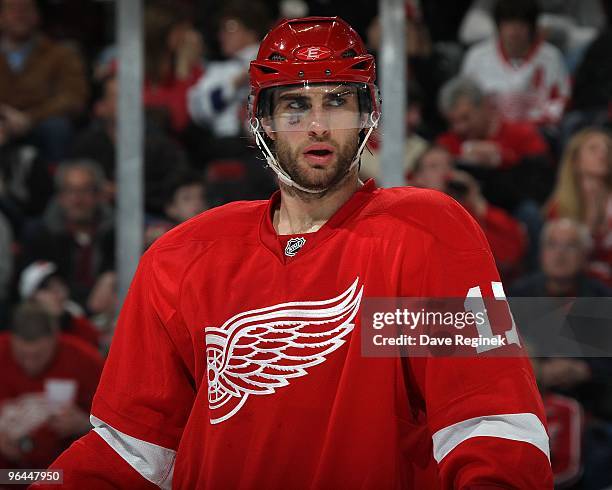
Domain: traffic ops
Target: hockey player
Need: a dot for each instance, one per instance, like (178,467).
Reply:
(237,359)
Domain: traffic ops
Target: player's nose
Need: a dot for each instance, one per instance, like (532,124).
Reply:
(319,123)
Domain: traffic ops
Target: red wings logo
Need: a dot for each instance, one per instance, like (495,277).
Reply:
(258,351)
(313,53)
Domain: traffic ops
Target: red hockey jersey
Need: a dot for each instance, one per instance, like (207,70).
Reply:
(207,387)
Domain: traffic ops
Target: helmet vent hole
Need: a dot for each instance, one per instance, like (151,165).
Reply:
(267,70)
(277,57)
(349,53)
(362,65)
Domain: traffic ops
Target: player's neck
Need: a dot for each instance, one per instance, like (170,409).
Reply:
(303,213)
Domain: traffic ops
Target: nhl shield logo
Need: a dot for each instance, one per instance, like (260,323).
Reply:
(294,245)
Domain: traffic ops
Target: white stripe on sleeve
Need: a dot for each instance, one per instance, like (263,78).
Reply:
(154,463)
(525,427)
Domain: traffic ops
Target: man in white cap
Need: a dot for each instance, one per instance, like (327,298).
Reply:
(42,283)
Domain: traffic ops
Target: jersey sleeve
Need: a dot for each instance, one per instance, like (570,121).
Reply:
(91,463)
(484,413)
(145,394)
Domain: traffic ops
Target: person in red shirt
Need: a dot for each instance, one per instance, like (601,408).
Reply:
(174,50)
(510,159)
(47,382)
(478,135)
(507,237)
(173,63)
(237,360)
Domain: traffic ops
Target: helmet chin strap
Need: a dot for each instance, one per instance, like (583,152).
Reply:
(283,176)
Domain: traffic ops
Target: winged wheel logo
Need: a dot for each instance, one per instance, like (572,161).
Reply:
(259,351)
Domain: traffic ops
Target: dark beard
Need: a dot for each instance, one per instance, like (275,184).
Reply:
(316,179)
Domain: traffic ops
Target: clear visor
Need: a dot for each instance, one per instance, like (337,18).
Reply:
(317,107)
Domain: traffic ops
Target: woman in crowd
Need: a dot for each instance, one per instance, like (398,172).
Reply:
(173,62)
(584,193)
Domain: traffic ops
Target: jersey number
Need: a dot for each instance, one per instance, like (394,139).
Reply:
(475,304)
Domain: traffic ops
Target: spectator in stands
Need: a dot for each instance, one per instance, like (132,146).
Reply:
(6,265)
(566,24)
(48,382)
(41,283)
(162,156)
(219,98)
(76,231)
(173,62)
(508,241)
(565,246)
(185,198)
(526,75)
(478,134)
(509,158)
(42,82)
(584,193)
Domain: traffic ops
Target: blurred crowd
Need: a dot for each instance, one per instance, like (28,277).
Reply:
(509,111)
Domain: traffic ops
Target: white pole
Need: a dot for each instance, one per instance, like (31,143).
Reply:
(393,91)
(129,172)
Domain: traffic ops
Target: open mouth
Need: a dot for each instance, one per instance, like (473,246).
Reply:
(319,153)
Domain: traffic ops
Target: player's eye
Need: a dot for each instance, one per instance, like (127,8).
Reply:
(296,105)
(336,100)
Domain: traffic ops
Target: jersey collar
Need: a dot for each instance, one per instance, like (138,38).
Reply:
(270,239)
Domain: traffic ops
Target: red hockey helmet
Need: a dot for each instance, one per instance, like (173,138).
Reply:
(312,50)
(313,59)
